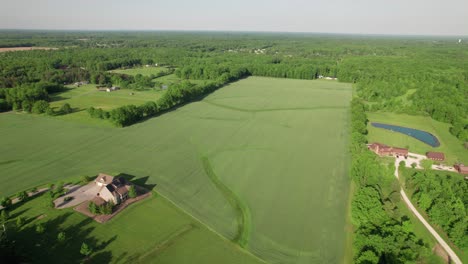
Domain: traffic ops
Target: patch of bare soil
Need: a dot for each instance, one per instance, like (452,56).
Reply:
(41,216)
(439,251)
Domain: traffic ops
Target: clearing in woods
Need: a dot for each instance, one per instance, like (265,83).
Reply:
(145,71)
(449,144)
(85,96)
(262,161)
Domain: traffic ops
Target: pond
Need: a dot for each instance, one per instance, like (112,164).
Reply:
(421,135)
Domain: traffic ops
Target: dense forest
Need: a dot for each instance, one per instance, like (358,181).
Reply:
(442,195)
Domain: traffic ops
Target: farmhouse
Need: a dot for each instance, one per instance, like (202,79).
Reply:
(438,156)
(462,169)
(384,150)
(112,189)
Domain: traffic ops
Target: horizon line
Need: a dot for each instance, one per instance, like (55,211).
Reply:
(235,31)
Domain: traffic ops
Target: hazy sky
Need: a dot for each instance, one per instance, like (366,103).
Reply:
(433,17)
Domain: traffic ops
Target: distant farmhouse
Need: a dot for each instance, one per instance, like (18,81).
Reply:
(384,150)
(78,84)
(112,189)
(105,89)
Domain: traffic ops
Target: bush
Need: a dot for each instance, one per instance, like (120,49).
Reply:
(92,207)
(40,229)
(6,202)
(61,237)
(50,112)
(68,198)
(107,208)
(26,106)
(66,109)
(22,196)
(132,192)
(40,107)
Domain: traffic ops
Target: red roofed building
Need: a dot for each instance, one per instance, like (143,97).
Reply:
(439,156)
(384,150)
(462,169)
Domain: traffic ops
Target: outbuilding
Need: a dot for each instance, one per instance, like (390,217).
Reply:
(438,156)
(462,169)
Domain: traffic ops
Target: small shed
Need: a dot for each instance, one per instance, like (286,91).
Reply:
(462,169)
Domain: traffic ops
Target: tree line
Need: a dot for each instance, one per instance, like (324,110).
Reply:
(176,95)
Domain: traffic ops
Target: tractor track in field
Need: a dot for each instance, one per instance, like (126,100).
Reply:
(273,109)
(243,212)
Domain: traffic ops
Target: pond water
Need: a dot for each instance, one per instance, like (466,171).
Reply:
(421,135)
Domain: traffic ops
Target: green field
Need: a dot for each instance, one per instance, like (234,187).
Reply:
(166,236)
(83,97)
(449,144)
(145,71)
(262,161)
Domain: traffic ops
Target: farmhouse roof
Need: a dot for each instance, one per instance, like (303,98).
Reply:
(435,155)
(399,150)
(382,149)
(110,187)
(122,190)
(104,178)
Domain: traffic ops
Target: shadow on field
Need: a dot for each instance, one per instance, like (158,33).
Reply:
(32,245)
(141,181)
(29,198)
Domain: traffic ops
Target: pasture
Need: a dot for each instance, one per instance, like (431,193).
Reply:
(145,71)
(150,231)
(262,161)
(449,144)
(83,97)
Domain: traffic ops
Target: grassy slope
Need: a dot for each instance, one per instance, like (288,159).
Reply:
(450,145)
(81,98)
(283,155)
(167,235)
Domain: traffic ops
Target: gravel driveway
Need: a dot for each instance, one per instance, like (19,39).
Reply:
(79,193)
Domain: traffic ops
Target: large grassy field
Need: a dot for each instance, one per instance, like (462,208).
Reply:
(165,235)
(81,98)
(262,161)
(450,145)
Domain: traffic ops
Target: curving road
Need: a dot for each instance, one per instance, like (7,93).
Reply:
(453,257)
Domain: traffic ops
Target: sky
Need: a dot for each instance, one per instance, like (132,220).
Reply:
(394,17)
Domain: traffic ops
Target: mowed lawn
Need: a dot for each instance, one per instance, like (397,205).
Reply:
(449,144)
(83,97)
(278,145)
(150,231)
